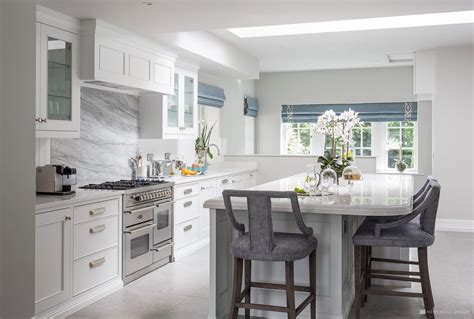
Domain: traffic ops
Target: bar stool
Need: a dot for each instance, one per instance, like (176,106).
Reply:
(399,232)
(262,244)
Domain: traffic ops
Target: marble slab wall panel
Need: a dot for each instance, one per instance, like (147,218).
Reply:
(109,137)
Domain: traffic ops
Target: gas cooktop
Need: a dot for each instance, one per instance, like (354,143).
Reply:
(124,184)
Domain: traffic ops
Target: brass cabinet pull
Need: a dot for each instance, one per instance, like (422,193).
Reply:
(97,263)
(188,191)
(225,181)
(188,203)
(97,229)
(97,211)
(188,227)
(67,218)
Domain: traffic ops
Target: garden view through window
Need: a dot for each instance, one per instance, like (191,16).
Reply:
(365,141)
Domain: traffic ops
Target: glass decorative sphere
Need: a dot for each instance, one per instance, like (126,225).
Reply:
(352,173)
(328,179)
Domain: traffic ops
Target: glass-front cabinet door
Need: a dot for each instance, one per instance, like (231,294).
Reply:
(58,109)
(189,105)
(171,116)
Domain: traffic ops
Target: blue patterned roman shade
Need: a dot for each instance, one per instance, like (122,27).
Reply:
(368,112)
(210,95)
(250,106)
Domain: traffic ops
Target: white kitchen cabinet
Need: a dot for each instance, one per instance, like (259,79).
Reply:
(53,258)
(172,116)
(208,191)
(58,92)
(113,57)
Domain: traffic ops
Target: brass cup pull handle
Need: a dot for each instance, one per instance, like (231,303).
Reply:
(188,191)
(225,181)
(97,229)
(97,211)
(97,263)
(188,227)
(188,203)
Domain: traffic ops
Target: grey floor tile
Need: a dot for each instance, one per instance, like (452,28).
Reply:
(181,289)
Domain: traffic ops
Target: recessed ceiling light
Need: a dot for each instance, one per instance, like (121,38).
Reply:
(408,21)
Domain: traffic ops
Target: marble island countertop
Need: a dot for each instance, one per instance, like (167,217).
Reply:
(376,194)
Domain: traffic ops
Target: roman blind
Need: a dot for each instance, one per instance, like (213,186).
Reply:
(368,112)
(210,95)
(250,106)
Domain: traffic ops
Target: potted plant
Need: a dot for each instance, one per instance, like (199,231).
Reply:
(202,142)
(399,163)
(339,129)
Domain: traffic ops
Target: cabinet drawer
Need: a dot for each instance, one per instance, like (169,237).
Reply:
(186,191)
(185,209)
(95,235)
(96,210)
(95,269)
(186,233)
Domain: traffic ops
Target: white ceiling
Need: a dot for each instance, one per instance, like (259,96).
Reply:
(305,52)
(355,49)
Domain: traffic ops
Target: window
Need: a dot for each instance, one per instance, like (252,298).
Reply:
(362,139)
(298,138)
(404,133)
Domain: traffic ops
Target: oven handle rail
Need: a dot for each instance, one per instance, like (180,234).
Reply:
(139,229)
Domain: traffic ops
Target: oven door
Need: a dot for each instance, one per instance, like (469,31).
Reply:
(163,222)
(138,242)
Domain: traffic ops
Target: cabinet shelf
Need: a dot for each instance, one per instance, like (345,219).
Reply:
(62,65)
(59,96)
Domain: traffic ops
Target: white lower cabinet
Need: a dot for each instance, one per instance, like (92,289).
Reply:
(95,269)
(53,260)
(77,255)
(208,191)
(191,219)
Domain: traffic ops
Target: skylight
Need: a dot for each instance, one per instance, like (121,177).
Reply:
(408,21)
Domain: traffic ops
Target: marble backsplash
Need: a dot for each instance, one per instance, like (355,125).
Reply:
(109,137)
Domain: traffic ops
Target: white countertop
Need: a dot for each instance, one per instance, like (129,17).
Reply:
(45,202)
(213,173)
(375,195)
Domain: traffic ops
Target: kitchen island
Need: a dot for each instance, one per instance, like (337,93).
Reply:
(334,220)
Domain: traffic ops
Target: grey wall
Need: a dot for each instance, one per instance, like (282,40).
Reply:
(453,132)
(17,180)
(109,137)
(332,86)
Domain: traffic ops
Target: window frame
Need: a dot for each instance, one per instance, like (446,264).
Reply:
(382,155)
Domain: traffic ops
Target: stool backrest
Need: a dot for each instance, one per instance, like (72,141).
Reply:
(259,207)
(429,207)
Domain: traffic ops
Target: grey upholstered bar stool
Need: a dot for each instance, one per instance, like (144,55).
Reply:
(261,243)
(400,232)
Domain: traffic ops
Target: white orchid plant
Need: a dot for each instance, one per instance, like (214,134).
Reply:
(393,144)
(339,129)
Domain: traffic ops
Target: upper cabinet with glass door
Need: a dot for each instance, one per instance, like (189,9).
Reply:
(58,95)
(180,108)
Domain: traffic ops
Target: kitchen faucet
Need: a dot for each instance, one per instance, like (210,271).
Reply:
(218,152)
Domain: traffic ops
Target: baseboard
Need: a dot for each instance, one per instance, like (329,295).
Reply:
(456,225)
(191,248)
(83,300)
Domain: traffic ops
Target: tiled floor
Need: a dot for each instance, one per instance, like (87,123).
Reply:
(180,290)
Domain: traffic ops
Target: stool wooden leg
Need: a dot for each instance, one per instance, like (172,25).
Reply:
(290,289)
(312,282)
(364,273)
(237,286)
(248,278)
(425,281)
(357,280)
(368,269)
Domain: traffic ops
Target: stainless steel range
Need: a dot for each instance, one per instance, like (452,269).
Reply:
(147,225)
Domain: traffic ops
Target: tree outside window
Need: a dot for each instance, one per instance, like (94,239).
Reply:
(404,133)
(362,139)
(298,136)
